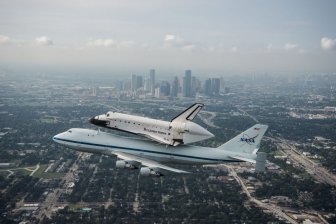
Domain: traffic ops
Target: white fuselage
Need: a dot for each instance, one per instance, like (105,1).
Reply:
(104,143)
(170,133)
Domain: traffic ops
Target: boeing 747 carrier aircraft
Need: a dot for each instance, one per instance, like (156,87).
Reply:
(180,130)
(151,157)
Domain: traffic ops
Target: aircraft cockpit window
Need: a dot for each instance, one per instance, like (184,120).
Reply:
(108,114)
(70,131)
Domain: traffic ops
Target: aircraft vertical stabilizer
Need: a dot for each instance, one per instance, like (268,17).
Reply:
(246,142)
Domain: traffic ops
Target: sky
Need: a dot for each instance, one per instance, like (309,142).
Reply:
(209,37)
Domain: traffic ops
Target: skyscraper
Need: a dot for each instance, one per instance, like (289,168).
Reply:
(152,81)
(215,86)
(187,84)
(207,89)
(165,88)
(147,84)
(134,83)
(139,82)
(175,87)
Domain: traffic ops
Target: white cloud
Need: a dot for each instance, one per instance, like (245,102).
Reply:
(43,40)
(290,46)
(328,43)
(234,49)
(102,43)
(126,43)
(188,47)
(170,37)
(4,39)
(174,41)
(270,47)
(110,43)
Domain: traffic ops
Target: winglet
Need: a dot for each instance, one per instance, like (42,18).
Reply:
(189,114)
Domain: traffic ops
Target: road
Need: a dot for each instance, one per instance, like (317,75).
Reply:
(248,115)
(37,167)
(51,201)
(208,120)
(320,173)
(273,208)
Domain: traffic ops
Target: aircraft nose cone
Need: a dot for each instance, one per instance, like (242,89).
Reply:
(92,120)
(57,137)
(96,121)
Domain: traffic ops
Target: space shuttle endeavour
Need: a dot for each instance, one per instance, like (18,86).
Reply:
(180,130)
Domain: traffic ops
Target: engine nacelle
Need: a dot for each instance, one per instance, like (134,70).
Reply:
(146,171)
(123,164)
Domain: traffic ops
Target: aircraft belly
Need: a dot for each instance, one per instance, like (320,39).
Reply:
(160,159)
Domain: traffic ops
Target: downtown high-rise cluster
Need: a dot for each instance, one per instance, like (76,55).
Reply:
(188,86)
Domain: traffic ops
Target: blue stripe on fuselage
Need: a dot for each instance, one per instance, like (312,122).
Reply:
(142,150)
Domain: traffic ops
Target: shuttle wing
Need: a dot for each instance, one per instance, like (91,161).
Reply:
(189,113)
(146,162)
(160,140)
(156,138)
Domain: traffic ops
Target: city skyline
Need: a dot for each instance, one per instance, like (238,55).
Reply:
(188,86)
(217,37)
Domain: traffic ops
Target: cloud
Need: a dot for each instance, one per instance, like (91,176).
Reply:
(174,41)
(234,49)
(4,39)
(269,47)
(107,43)
(328,43)
(102,43)
(290,46)
(43,41)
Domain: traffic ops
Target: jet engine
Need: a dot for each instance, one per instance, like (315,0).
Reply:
(146,171)
(123,164)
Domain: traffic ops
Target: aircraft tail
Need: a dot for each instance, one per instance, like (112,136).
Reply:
(246,142)
(189,113)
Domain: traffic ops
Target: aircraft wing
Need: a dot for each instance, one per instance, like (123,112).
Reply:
(146,162)
(189,113)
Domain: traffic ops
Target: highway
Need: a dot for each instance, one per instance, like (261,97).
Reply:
(273,208)
(320,173)
(208,120)
(248,115)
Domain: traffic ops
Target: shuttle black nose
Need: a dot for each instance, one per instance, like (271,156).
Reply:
(95,120)
(92,120)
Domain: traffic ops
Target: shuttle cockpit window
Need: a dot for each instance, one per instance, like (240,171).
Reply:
(108,114)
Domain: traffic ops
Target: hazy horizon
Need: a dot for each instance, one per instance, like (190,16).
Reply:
(209,37)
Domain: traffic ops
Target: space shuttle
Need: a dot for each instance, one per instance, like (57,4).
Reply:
(179,131)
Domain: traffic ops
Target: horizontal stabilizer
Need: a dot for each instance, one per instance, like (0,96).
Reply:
(243,159)
(189,114)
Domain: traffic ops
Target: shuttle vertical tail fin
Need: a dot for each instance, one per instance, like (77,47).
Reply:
(189,113)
